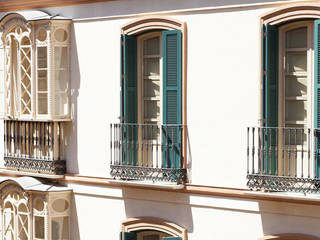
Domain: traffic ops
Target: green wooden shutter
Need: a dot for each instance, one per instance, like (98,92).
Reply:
(129,98)
(271,76)
(172,106)
(317,93)
(270,95)
(172,238)
(128,236)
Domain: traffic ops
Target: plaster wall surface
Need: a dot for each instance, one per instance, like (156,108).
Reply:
(223,64)
(205,217)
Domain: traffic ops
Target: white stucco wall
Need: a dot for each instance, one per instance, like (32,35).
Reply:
(204,217)
(222,87)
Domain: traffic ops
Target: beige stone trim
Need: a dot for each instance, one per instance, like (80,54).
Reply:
(291,12)
(148,23)
(289,237)
(157,224)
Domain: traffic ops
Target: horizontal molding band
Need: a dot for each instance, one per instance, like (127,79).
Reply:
(15,5)
(188,189)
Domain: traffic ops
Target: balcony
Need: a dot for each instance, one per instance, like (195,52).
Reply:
(283,159)
(148,152)
(34,146)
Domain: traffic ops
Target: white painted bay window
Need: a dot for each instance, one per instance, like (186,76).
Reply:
(36,68)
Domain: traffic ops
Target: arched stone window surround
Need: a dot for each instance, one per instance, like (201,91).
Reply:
(156,224)
(289,237)
(291,12)
(145,24)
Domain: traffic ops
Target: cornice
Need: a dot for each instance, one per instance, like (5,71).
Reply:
(15,5)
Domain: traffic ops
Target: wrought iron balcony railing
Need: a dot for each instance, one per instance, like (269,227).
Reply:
(147,152)
(283,159)
(34,146)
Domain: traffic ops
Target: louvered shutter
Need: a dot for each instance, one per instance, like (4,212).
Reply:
(270,94)
(172,75)
(129,97)
(128,236)
(317,93)
(172,238)
(271,75)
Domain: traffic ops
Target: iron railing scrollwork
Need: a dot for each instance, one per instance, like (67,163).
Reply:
(283,159)
(34,146)
(147,152)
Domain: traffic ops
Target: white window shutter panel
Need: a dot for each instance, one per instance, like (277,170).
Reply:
(2,77)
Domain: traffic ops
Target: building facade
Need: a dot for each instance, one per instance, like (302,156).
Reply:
(159,120)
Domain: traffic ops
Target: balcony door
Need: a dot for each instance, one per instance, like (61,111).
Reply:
(149,98)
(295,93)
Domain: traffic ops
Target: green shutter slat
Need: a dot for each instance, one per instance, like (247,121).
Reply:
(128,236)
(172,238)
(271,75)
(270,94)
(172,97)
(130,78)
(129,97)
(317,93)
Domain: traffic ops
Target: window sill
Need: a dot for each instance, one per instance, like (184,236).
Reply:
(148,184)
(31,174)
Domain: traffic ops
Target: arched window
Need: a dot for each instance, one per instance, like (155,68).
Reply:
(153,102)
(33,214)
(151,229)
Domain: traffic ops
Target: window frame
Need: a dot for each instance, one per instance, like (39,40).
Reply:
(310,72)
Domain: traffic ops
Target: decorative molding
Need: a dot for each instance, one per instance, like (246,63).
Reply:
(289,237)
(292,12)
(148,23)
(57,167)
(157,224)
(14,5)
(177,175)
(282,183)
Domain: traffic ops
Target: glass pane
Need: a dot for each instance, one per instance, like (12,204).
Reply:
(296,62)
(151,46)
(25,41)
(151,131)
(151,109)
(42,34)
(296,86)
(60,35)
(61,57)
(42,80)
(151,237)
(42,57)
(60,228)
(60,205)
(297,38)
(295,134)
(23,227)
(39,204)
(151,88)
(61,77)
(296,110)
(61,106)
(151,67)
(42,103)
(39,227)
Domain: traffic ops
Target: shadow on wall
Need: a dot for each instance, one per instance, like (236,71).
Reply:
(72,127)
(168,206)
(278,218)
(74,227)
(128,7)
